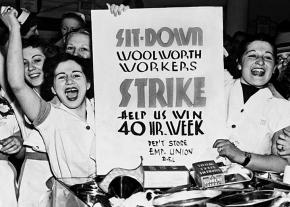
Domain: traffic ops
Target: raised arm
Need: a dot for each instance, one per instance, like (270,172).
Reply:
(27,97)
(3,78)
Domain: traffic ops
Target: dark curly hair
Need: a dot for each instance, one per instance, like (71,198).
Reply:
(34,42)
(48,50)
(258,37)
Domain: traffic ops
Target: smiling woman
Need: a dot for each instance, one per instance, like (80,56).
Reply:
(70,80)
(35,52)
(65,69)
(34,172)
(71,152)
(78,43)
(257,62)
(69,76)
(253,113)
(33,59)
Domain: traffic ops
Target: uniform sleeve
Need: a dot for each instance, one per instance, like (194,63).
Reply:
(228,78)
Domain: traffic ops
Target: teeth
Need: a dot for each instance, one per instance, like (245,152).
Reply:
(258,72)
(34,75)
(71,90)
(71,93)
(258,69)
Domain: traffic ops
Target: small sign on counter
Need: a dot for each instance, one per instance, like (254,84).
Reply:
(208,174)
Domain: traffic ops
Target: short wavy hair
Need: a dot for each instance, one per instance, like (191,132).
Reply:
(73,15)
(258,37)
(51,64)
(78,31)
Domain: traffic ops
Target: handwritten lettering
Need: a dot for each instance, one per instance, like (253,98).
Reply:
(164,37)
(161,92)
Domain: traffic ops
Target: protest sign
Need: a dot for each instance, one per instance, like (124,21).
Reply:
(159,91)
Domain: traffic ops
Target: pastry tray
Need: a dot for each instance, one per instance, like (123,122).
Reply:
(254,198)
(273,178)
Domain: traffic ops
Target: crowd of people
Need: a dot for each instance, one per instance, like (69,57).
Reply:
(47,90)
(56,79)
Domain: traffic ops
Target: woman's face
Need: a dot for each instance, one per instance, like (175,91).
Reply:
(283,60)
(257,64)
(70,84)
(33,59)
(78,44)
(69,24)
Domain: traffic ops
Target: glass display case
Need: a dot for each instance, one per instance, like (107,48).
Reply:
(76,192)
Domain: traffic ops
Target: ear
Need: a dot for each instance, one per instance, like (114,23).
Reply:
(88,85)
(53,91)
(239,67)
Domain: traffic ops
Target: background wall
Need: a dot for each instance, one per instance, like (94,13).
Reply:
(268,13)
(246,15)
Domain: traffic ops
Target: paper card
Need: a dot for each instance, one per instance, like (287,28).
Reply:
(158,86)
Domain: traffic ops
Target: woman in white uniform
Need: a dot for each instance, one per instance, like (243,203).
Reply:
(253,113)
(8,127)
(71,152)
(35,170)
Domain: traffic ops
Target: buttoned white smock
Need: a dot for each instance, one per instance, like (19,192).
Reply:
(69,140)
(34,173)
(32,139)
(8,126)
(251,125)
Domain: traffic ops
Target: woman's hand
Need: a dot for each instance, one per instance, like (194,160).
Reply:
(227,149)
(117,9)
(11,145)
(283,143)
(9,17)
(31,32)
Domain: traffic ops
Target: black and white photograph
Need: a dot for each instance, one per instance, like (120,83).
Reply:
(144,103)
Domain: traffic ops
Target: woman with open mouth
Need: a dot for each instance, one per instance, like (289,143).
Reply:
(67,128)
(253,113)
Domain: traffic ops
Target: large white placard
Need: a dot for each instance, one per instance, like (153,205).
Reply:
(159,94)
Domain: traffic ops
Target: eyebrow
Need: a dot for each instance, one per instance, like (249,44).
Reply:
(37,56)
(255,51)
(61,73)
(77,71)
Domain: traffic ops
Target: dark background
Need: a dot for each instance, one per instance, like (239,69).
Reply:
(245,15)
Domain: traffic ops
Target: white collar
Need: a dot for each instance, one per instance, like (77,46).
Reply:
(89,109)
